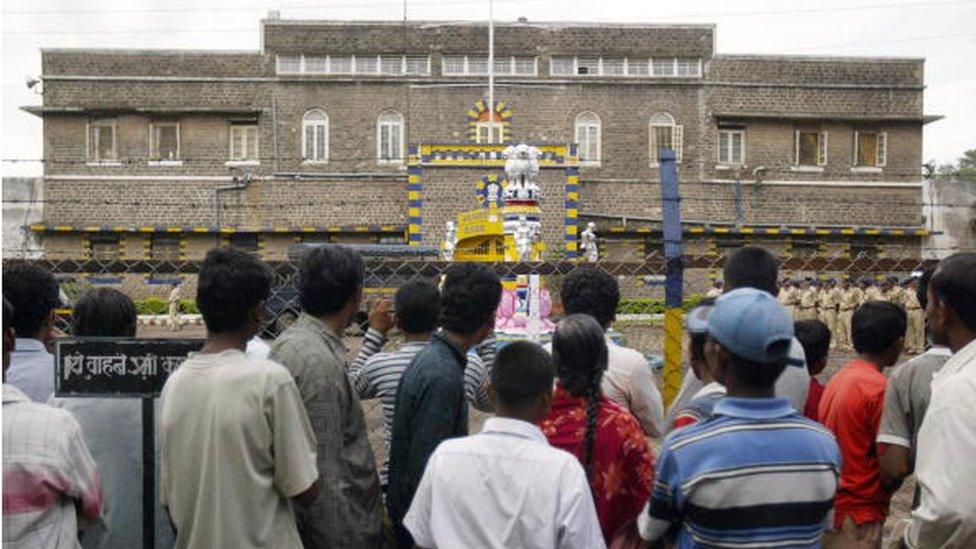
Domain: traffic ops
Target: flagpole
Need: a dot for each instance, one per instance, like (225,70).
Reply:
(491,70)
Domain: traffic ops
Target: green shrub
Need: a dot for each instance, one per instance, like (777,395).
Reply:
(189,307)
(152,306)
(652,305)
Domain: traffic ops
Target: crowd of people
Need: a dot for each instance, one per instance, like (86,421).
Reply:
(268,447)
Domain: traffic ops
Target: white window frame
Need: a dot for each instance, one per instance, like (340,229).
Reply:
(880,153)
(646,62)
(535,65)
(306,123)
(489,126)
(246,160)
(303,66)
(677,138)
(152,144)
(102,122)
(674,67)
(579,124)
(380,123)
(731,161)
(822,150)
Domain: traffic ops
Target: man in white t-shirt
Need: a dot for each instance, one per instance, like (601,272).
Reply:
(237,446)
(628,380)
(506,487)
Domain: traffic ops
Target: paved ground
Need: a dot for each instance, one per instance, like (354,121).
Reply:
(648,339)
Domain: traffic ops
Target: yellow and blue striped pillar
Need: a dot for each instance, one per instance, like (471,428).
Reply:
(571,220)
(415,199)
(674,274)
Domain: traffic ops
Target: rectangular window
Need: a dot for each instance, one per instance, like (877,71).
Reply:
(317,65)
(244,141)
(525,66)
(811,148)
(503,66)
(688,66)
(417,65)
(490,133)
(165,141)
(452,65)
(870,149)
(101,140)
(613,67)
(562,66)
(340,64)
(663,67)
(664,136)
(589,143)
(391,65)
(289,64)
(638,67)
(104,246)
(588,66)
(390,142)
(164,247)
(731,146)
(477,65)
(366,64)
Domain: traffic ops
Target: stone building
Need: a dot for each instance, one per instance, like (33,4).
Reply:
(382,131)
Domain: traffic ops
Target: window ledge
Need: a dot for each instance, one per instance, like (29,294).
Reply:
(234,163)
(314,162)
(807,169)
(867,169)
(162,163)
(723,167)
(104,163)
(589,163)
(392,162)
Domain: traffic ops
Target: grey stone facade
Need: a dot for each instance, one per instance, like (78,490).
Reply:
(354,194)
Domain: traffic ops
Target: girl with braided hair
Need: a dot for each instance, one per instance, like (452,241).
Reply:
(603,435)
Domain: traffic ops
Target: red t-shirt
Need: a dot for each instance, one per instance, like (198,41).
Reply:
(623,462)
(813,399)
(851,407)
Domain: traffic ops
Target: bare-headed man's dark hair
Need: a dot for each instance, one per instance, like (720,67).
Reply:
(231,283)
(330,275)
(469,298)
(954,283)
(417,304)
(751,267)
(523,371)
(104,312)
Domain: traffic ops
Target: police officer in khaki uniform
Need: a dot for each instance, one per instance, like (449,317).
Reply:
(788,296)
(915,338)
(809,296)
(827,308)
(894,293)
(873,292)
(849,300)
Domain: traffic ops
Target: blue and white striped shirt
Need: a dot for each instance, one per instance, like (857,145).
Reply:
(377,375)
(757,474)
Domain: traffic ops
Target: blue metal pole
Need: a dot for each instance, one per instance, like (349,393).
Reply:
(674,274)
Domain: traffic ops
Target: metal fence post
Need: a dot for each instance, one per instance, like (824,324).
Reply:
(673,282)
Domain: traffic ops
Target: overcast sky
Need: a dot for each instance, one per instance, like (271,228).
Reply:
(941,31)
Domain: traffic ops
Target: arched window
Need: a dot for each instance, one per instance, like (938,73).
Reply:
(588,137)
(663,133)
(389,137)
(315,136)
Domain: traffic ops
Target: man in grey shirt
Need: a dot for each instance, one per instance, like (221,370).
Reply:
(348,513)
(907,399)
(754,267)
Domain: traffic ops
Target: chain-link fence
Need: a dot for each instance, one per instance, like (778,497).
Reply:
(149,283)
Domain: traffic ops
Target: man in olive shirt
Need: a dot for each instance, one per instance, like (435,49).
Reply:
(348,513)
(430,403)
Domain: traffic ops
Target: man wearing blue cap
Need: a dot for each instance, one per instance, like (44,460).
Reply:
(757,473)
